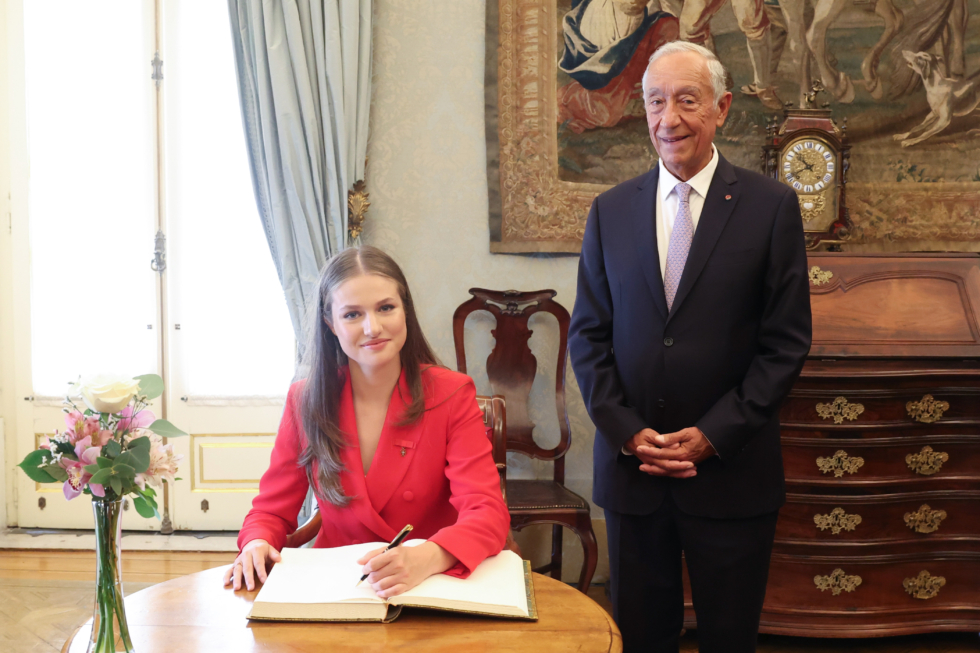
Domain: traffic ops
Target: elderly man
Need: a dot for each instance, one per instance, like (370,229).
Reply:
(691,324)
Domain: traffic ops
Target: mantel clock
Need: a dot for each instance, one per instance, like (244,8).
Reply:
(809,153)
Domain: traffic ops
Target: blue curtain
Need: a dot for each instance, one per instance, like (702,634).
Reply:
(304,80)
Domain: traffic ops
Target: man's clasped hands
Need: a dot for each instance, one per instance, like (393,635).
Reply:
(670,454)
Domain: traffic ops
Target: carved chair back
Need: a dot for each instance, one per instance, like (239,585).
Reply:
(511,366)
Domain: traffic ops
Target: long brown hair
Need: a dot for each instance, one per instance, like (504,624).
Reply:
(325,360)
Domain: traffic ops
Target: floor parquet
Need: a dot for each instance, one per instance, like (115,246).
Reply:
(45,595)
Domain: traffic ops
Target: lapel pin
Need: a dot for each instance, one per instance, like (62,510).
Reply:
(403,452)
(728,197)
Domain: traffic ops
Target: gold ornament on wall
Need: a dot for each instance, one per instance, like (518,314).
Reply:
(927,462)
(840,410)
(924,586)
(925,519)
(927,410)
(840,463)
(357,206)
(837,521)
(837,582)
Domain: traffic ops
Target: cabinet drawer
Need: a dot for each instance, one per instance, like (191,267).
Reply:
(843,409)
(869,461)
(928,517)
(848,585)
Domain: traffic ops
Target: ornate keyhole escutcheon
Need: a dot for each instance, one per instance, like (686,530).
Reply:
(205,506)
(927,410)
(839,410)
(838,520)
(925,519)
(924,586)
(819,277)
(840,463)
(927,462)
(837,582)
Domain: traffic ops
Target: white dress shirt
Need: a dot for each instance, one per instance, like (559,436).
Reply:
(667,202)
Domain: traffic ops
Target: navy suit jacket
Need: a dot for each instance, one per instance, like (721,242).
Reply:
(722,359)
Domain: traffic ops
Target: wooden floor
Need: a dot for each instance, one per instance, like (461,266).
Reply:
(45,595)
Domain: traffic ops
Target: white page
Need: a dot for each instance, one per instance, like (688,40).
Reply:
(321,575)
(498,580)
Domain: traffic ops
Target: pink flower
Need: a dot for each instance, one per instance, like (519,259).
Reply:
(163,462)
(77,476)
(80,427)
(142,419)
(46,443)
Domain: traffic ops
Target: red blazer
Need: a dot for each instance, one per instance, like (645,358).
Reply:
(437,474)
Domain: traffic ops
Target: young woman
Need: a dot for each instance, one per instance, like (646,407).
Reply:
(384,436)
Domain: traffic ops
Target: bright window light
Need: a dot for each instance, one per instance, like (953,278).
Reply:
(91,144)
(235,336)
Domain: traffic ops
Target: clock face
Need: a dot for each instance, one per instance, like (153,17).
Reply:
(809,166)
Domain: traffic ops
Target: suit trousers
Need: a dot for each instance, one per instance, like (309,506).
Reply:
(728,565)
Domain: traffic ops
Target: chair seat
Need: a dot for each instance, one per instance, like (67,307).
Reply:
(542,495)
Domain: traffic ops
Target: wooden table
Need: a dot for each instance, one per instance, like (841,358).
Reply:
(195,614)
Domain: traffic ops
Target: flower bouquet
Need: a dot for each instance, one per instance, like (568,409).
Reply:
(112,448)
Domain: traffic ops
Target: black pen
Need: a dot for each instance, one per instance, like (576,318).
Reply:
(395,542)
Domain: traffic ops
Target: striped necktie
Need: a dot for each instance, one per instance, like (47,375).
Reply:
(680,243)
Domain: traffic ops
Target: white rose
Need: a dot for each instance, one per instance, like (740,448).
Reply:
(108,393)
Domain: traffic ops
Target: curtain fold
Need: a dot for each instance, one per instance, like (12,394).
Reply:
(304,81)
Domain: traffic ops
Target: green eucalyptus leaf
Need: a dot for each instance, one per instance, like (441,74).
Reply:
(123,472)
(116,484)
(151,385)
(93,468)
(144,508)
(102,476)
(57,472)
(142,442)
(133,459)
(165,429)
(32,463)
(112,448)
(149,492)
(103,462)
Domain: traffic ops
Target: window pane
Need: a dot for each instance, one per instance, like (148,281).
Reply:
(92,215)
(235,335)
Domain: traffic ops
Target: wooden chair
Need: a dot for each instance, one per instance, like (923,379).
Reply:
(511,368)
(494,418)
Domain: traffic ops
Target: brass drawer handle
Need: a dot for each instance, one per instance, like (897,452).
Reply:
(837,521)
(839,463)
(818,277)
(928,410)
(927,462)
(925,520)
(838,582)
(924,586)
(840,410)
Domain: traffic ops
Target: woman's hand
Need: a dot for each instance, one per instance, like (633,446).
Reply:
(251,562)
(404,567)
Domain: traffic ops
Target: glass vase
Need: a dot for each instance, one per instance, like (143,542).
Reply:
(110,632)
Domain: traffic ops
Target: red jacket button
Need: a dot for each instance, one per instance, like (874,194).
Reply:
(408,496)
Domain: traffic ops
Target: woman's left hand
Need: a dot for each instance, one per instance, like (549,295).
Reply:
(404,567)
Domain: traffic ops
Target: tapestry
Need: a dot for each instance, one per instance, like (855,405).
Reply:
(569,122)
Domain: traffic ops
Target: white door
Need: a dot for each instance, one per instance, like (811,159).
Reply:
(103,173)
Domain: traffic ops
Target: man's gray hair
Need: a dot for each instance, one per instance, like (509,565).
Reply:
(716,69)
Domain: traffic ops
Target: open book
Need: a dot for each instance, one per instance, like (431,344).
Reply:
(321,585)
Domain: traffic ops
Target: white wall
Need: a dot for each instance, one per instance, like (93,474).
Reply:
(427,180)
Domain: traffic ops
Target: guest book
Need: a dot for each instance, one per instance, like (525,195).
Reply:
(321,585)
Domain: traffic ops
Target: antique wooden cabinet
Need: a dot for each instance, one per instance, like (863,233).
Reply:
(880,534)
